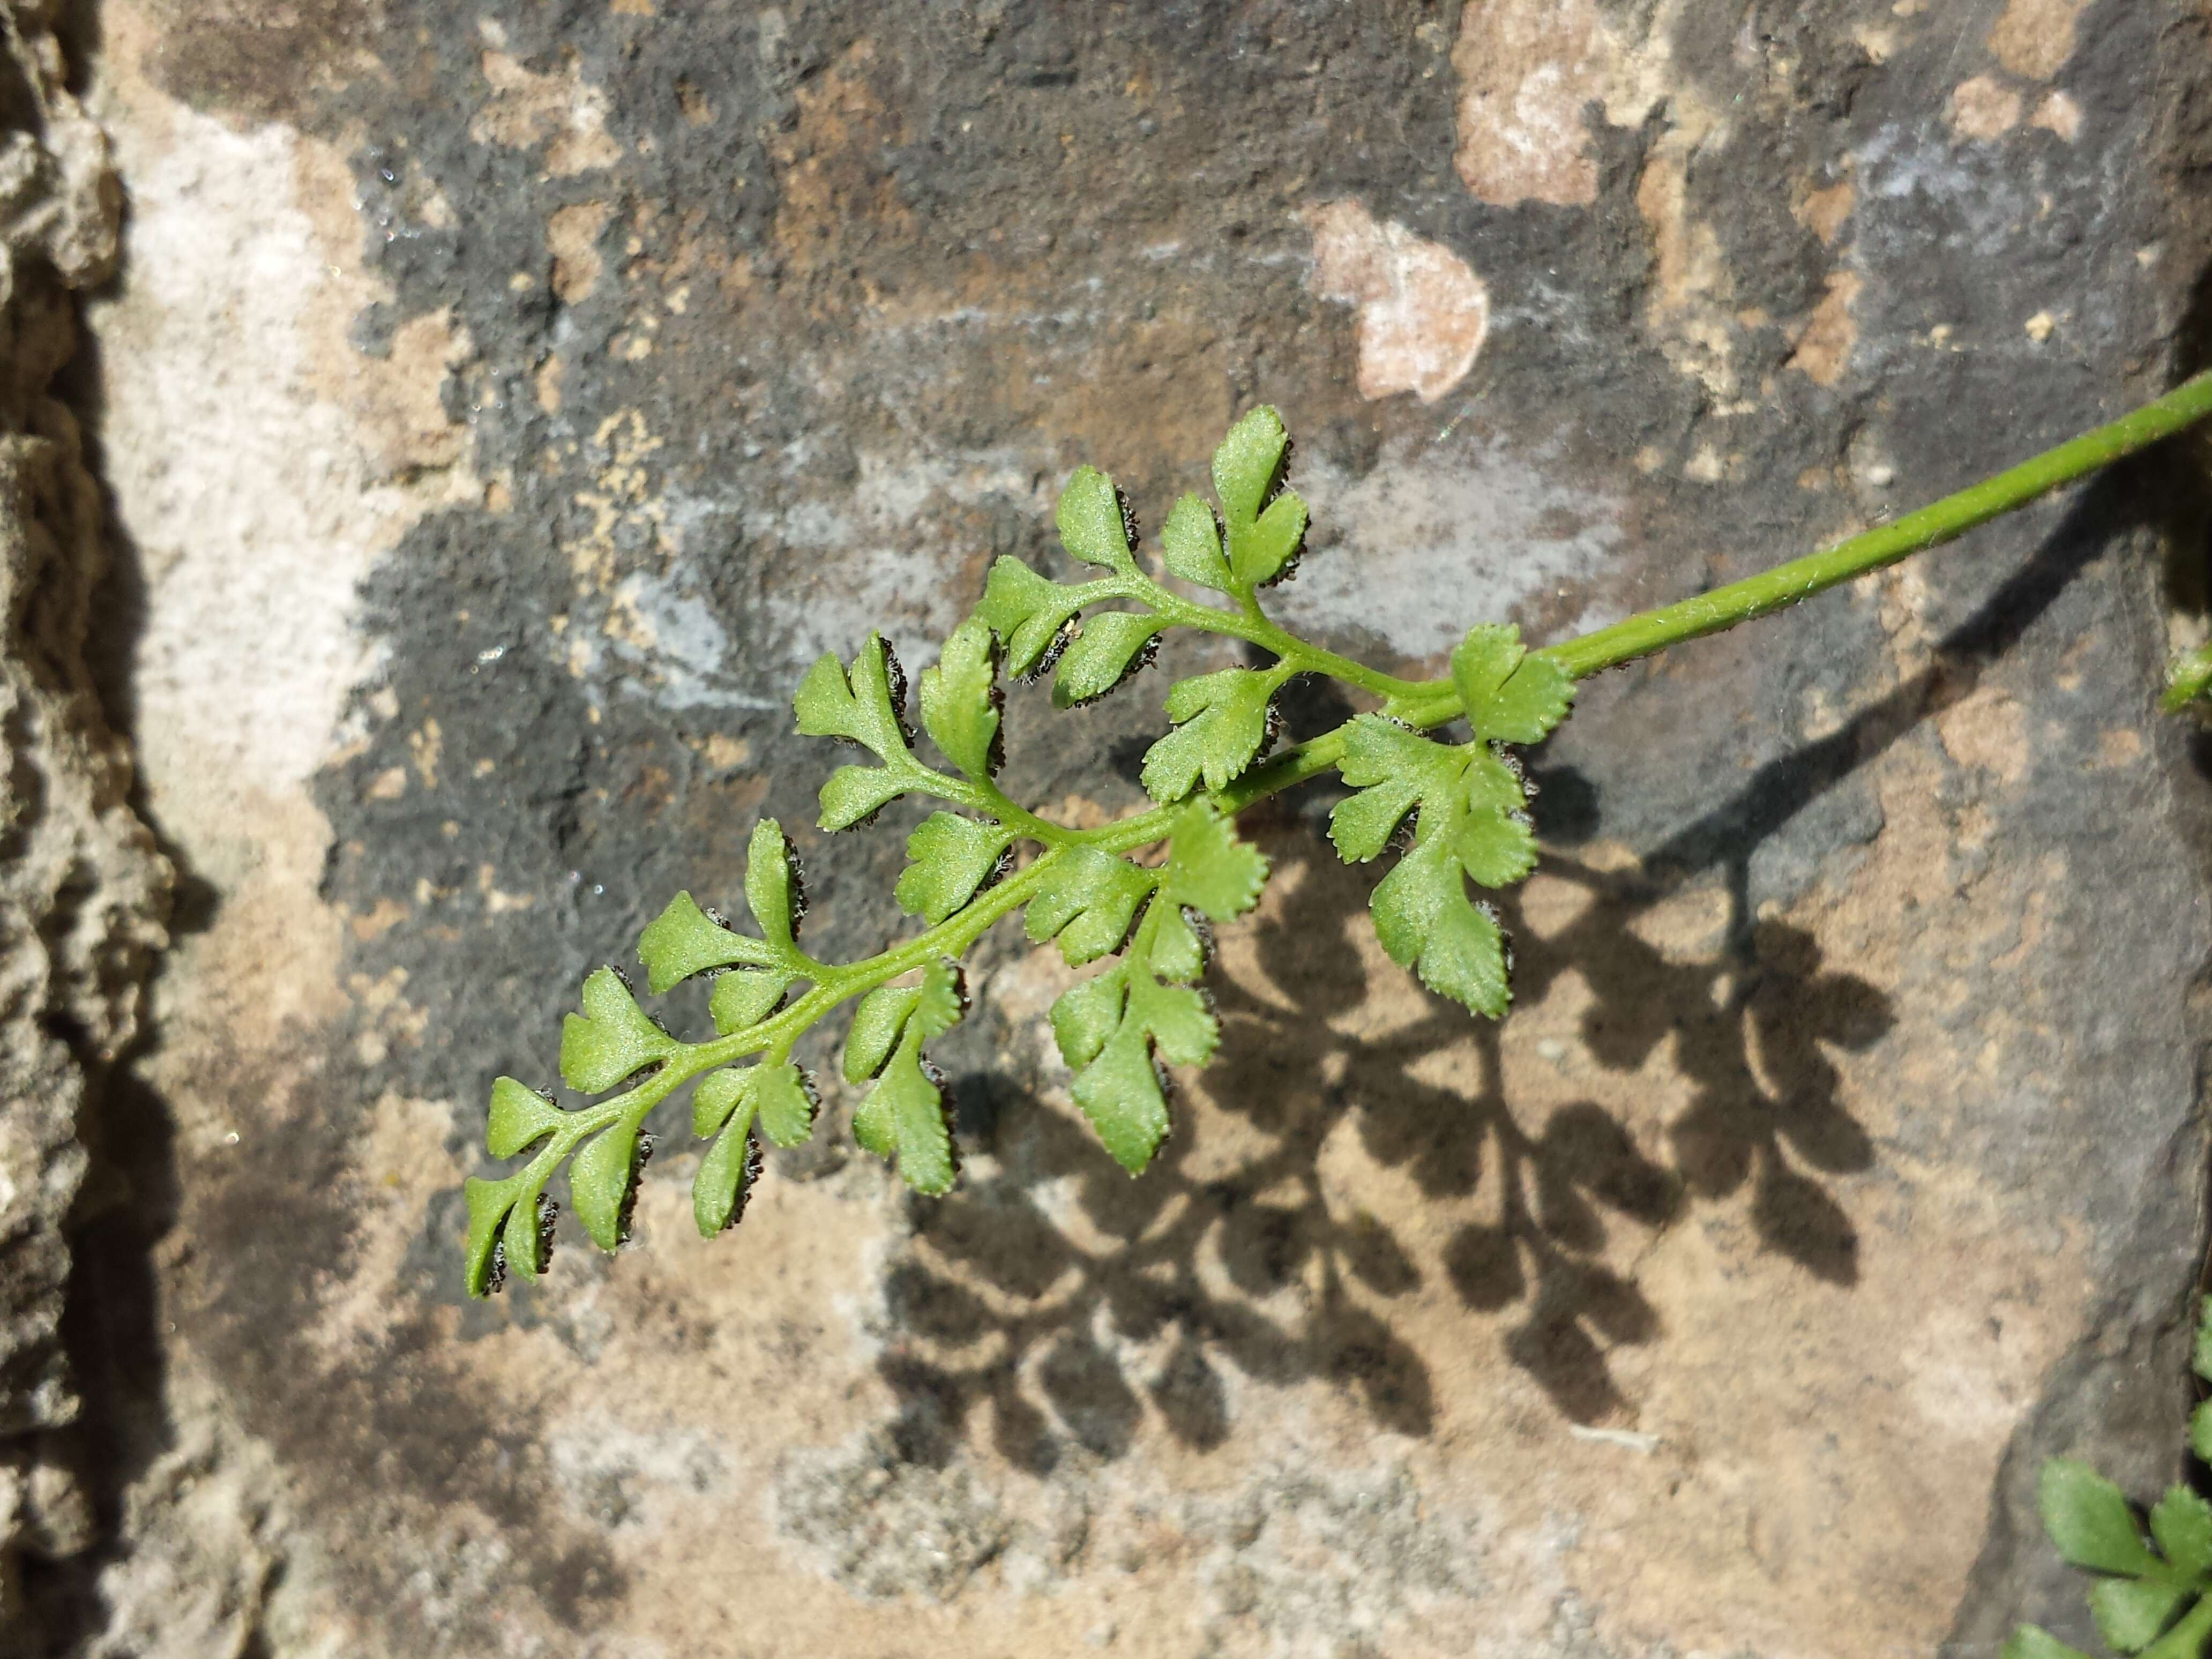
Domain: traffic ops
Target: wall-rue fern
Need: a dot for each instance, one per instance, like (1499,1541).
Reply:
(1147,918)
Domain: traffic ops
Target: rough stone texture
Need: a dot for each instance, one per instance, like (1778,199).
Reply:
(83,889)
(504,406)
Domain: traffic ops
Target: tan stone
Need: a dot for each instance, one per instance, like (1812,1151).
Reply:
(2034,38)
(1983,108)
(558,109)
(1823,345)
(572,236)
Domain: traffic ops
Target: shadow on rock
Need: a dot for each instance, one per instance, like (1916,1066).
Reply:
(1011,1297)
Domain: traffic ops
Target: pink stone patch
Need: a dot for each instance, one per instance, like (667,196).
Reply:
(1423,313)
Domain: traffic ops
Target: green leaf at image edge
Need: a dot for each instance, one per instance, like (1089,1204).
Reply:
(2181,1526)
(2131,1613)
(2090,1520)
(2033,1641)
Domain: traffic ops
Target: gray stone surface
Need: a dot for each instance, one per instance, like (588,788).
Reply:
(502,407)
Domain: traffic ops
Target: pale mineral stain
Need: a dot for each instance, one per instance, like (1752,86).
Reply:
(2058,114)
(1988,730)
(1688,301)
(1423,314)
(1481,519)
(1824,212)
(1526,71)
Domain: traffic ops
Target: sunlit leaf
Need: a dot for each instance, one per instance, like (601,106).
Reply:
(1222,723)
(1091,522)
(683,940)
(612,1039)
(949,858)
(960,701)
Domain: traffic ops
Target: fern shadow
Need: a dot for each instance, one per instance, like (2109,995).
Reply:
(1060,1302)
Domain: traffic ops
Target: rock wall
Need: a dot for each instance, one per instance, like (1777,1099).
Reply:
(502,407)
(83,890)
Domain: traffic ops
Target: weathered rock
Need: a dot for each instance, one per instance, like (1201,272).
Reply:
(83,889)
(507,405)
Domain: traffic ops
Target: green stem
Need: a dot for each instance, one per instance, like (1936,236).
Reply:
(993,802)
(1251,625)
(1931,526)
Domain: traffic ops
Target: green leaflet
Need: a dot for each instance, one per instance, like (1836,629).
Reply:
(683,940)
(510,1229)
(1465,794)
(1245,465)
(1427,922)
(1472,823)
(1109,1033)
(742,999)
(719,1094)
(1190,546)
(602,1179)
(725,1179)
(2089,1519)
(2181,1523)
(777,1097)
(1509,694)
(960,701)
(868,707)
(949,857)
(2032,1642)
(774,892)
(1027,613)
(2155,1600)
(1091,525)
(1112,645)
(784,1103)
(1222,723)
(1088,903)
(2131,1612)
(903,1116)
(519,1118)
(1208,869)
(2188,678)
(1263,535)
(612,1039)
(1111,1028)
(888,1014)
(854,794)
(777,1093)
